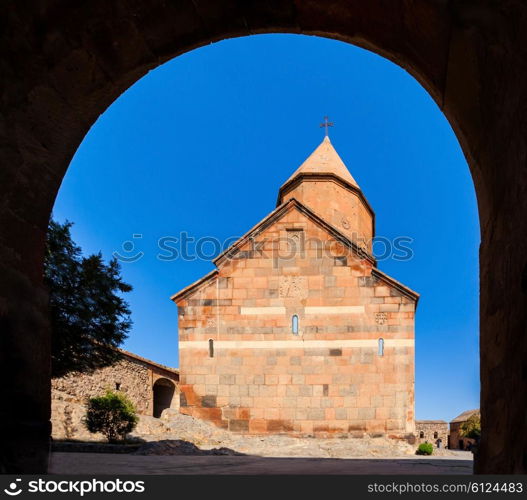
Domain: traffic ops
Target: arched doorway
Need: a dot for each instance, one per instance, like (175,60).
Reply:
(72,60)
(163,390)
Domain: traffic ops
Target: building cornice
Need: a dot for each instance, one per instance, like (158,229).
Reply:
(193,286)
(136,357)
(408,292)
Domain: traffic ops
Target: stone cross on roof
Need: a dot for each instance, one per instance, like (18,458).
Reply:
(326,124)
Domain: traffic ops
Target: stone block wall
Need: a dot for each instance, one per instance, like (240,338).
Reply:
(244,368)
(338,204)
(456,441)
(429,431)
(133,375)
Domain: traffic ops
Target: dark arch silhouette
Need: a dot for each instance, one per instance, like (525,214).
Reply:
(163,390)
(72,59)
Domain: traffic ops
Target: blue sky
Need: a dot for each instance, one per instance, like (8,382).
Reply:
(202,144)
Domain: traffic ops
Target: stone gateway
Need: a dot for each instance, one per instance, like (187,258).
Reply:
(297,330)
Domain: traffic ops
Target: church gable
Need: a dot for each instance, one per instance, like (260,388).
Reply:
(294,243)
(282,236)
(291,222)
(294,240)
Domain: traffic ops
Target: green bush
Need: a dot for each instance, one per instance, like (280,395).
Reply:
(112,414)
(425,449)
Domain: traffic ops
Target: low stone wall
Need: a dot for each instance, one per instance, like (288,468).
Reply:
(72,447)
(127,376)
(132,375)
(67,421)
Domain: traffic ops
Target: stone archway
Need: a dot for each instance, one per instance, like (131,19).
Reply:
(64,62)
(164,391)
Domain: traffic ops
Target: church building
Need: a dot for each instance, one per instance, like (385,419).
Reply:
(296,330)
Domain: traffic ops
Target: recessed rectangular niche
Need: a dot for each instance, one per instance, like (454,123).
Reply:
(295,241)
(340,261)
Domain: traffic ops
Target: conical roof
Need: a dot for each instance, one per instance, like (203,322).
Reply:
(325,160)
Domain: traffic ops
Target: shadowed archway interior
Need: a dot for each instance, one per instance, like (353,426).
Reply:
(164,391)
(65,62)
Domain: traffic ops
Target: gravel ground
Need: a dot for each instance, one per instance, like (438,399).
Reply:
(167,436)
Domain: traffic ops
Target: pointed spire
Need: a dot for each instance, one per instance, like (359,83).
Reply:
(325,160)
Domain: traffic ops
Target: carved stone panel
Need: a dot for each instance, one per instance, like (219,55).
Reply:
(293,287)
(381,318)
(211,322)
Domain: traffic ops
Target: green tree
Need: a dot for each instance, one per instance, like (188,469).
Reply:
(471,428)
(89,318)
(113,415)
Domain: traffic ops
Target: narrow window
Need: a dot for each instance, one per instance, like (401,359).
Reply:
(380,351)
(117,386)
(211,348)
(421,434)
(294,325)
(435,435)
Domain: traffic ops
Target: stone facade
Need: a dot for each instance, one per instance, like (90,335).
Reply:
(455,440)
(142,380)
(432,431)
(297,331)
